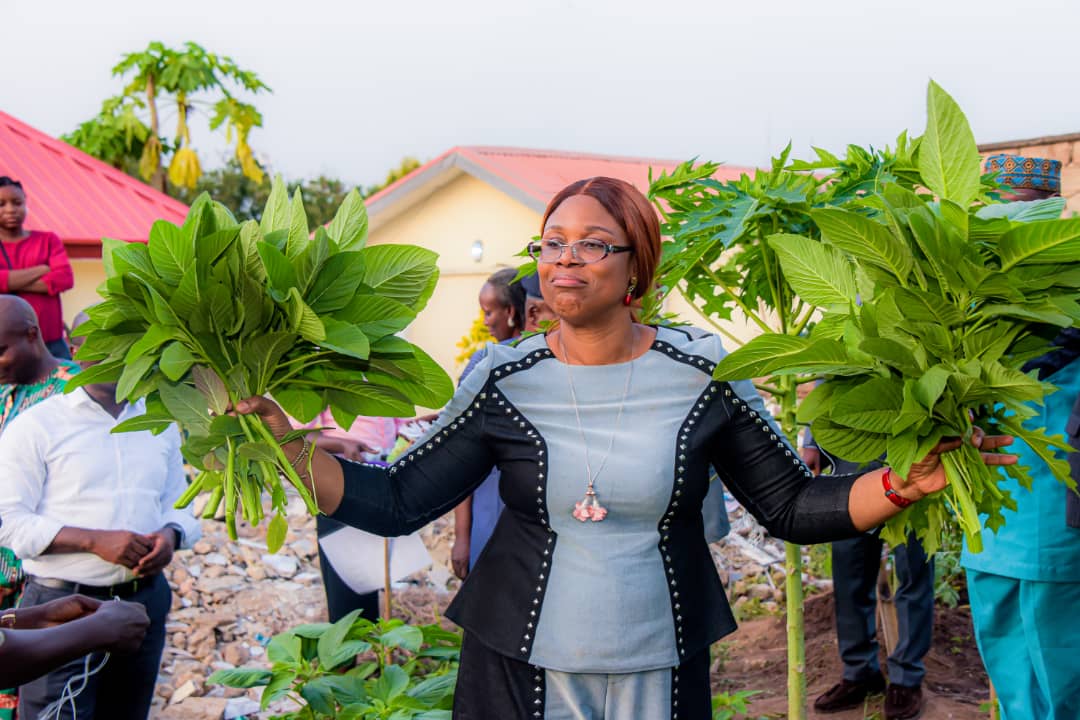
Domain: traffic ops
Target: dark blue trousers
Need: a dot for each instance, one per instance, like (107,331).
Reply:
(855,566)
(124,688)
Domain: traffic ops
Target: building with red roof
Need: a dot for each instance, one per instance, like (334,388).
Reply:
(478,207)
(81,199)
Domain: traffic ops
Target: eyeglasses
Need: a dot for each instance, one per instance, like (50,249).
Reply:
(584,251)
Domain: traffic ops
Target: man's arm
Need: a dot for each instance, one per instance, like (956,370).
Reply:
(120,547)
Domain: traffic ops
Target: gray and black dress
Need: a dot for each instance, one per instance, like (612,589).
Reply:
(611,619)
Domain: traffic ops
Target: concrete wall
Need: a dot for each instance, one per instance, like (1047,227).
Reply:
(89,274)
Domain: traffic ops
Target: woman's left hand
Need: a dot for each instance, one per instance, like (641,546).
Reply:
(928,475)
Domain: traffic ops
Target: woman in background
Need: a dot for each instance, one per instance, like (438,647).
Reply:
(34,266)
(503,303)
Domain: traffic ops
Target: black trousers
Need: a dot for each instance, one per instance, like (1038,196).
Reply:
(340,598)
(855,565)
(124,688)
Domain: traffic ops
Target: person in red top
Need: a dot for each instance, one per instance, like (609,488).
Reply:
(34,266)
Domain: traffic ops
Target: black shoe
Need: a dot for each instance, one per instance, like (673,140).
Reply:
(848,694)
(903,702)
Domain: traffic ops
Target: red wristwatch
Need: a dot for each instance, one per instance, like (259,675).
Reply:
(890,492)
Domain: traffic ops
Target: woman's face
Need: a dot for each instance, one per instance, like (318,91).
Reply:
(12,208)
(496,315)
(576,291)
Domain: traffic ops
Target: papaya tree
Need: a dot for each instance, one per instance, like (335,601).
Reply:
(187,80)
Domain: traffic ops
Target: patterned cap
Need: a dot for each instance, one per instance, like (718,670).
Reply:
(1017,172)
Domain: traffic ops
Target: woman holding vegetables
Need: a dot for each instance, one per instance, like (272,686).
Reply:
(597,593)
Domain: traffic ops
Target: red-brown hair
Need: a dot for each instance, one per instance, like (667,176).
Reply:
(635,216)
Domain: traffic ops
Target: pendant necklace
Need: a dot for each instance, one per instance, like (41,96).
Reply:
(590,508)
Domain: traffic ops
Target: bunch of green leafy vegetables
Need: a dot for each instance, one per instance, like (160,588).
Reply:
(406,672)
(215,311)
(932,303)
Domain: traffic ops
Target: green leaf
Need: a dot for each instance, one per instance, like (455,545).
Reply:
(303,319)
(276,213)
(284,648)
(345,338)
(1044,242)
(857,446)
(319,696)
(892,353)
(132,374)
(310,630)
(298,227)
(212,388)
(949,160)
(376,316)
(350,224)
(336,283)
(401,272)
(817,403)
(300,403)
(1024,210)
(187,406)
(240,677)
(817,273)
(279,270)
(872,405)
(1013,384)
(866,240)
(171,251)
(929,387)
(406,637)
(390,684)
(257,451)
(275,533)
(102,373)
(774,353)
(155,423)
(278,687)
(155,336)
(186,298)
(176,360)
(330,641)
(261,356)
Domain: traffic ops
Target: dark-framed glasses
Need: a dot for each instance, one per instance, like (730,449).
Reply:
(583,251)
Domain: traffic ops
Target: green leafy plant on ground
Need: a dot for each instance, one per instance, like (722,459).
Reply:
(732,706)
(404,672)
(214,311)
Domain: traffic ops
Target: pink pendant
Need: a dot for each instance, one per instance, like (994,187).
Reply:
(589,508)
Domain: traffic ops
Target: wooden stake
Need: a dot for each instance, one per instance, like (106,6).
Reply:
(387,604)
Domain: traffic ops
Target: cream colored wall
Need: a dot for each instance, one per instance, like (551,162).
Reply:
(448,222)
(89,274)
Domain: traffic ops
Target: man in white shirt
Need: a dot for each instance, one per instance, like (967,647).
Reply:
(91,512)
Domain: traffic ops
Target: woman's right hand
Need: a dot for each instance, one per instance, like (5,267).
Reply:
(459,557)
(270,412)
(120,625)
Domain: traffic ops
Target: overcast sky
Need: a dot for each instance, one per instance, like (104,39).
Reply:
(358,85)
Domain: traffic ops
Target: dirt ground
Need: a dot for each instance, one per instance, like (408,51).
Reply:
(754,658)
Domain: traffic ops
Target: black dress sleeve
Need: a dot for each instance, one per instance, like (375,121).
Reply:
(440,470)
(769,478)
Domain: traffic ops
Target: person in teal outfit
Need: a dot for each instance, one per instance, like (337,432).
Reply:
(1025,584)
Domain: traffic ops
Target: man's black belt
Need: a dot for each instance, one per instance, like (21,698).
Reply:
(120,590)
